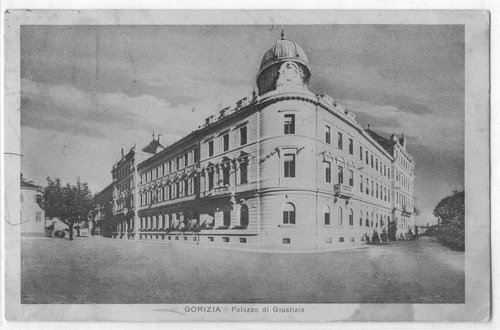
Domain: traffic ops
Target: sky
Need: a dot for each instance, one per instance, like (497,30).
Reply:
(88,91)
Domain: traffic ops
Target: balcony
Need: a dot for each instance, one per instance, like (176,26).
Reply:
(216,191)
(342,190)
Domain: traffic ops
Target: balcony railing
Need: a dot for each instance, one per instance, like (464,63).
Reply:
(217,191)
(342,190)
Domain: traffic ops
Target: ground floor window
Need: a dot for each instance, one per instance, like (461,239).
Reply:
(227,218)
(326,211)
(244,215)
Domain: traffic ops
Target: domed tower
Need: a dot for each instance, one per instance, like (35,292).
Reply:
(284,67)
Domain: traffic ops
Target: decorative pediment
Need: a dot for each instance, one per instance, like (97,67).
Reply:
(341,159)
(327,156)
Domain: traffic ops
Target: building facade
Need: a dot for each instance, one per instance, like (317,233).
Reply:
(32,215)
(281,169)
(117,203)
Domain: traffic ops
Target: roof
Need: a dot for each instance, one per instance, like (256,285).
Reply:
(153,146)
(29,185)
(384,142)
(284,49)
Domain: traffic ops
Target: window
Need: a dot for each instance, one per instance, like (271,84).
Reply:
(328,134)
(361,219)
(286,240)
(186,187)
(288,214)
(351,146)
(367,186)
(371,160)
(372,188)
(225,175)
(360,153)
(244,172)
(340,220)
(160,194)
(289,124)
(341,175)
(326,212)
(289,165)
(351,218)
(186,159)
(340,141)
(376,191)
(351,178)
(38,216)
(177,163)
(211,179)
(243,135)
(244,216)
(328,172)
(361,183)
(196,154)
(225,142)
(366,157)
(226,218)
(210,148)
(385,170)
(243,239)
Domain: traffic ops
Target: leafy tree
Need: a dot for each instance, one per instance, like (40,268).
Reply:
(70,203)
(383,235)
(392,231)
(375,238)
(451,211)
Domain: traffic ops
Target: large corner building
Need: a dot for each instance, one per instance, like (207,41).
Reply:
(282,169)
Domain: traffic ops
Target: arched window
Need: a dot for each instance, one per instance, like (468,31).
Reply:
(289,213)
(351,218)
(367,222)
(371,224)
(326,212)
(340,220)
(361,219)
(244,215)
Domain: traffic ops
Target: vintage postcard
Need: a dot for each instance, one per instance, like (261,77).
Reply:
(245,165)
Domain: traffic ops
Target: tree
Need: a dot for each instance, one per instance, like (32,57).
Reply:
(451,211)
(392,231)
(70,203)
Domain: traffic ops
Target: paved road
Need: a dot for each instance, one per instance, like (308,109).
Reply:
(99,270)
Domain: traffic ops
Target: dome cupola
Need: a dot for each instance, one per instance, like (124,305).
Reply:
(284,66)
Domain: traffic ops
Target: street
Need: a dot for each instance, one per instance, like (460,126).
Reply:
(103,270)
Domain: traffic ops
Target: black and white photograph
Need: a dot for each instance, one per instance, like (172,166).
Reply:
(294,167)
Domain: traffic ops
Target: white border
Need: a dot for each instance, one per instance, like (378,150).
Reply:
(262,5)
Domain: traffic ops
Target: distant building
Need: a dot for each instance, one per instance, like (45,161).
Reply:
(117,209)
(282,169)
(32,215)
